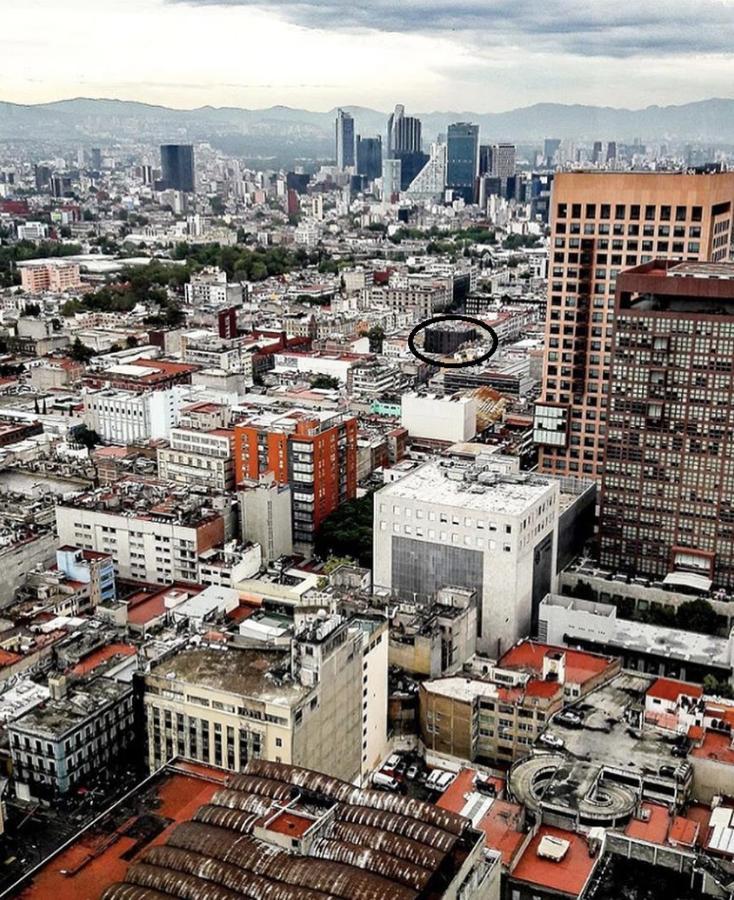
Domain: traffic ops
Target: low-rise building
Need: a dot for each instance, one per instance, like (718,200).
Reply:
(65,741)
(153,532)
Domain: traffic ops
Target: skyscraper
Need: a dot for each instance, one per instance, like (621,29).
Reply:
(344,139)
(391,179)
(369,157)
(503,161)
(602,222)
(404,143)
(403,133)
(177,167)
(463,159)
(667,501)
(551,146)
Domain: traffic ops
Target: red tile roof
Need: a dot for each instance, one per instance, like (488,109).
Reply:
(96,658)
(716,747)
(670,689)
(502,830)
(95,860)
(567,876)
(580,666)
(683,832)
(653,828)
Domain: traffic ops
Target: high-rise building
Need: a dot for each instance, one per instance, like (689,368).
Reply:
(463,160)
(96,158)
(404,143)
(603,222)
(485,159)
(391,179)
(403,133)
(596,152)
(431,180)
(177,167)
(314,452)
(369,157)
(503,161)
(668,484)
(611,151)
(344,139)
(551,146)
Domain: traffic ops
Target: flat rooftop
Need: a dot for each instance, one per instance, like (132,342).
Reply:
(55,717)
(252,673)
(434,484)
(607,738)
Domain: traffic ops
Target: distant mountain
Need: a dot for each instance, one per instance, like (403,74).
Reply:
(280,131)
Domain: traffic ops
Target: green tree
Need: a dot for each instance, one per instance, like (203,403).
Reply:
(87,437)
(325,383)
(348,531)
(32,309)
(697,615)
(81,352)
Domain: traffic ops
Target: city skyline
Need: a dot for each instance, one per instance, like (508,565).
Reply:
(490,58)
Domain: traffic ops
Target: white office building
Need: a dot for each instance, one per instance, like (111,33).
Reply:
(127,417)
(434,418)
(475,527)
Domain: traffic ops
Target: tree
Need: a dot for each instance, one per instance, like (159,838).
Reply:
(80,352)
(376,336)
(87,437)
(325,383)
(32,309)
(348,531)
(131,341)
(697,615)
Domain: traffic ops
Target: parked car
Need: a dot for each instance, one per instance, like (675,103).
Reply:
(551,740)
(412,772)
(393,762)
(570,719)
(383,780)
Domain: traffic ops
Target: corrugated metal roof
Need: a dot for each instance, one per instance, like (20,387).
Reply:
(369,845)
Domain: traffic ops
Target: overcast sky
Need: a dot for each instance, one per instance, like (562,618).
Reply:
(478,55)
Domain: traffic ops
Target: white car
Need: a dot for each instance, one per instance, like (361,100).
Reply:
(550,740)
(393,762)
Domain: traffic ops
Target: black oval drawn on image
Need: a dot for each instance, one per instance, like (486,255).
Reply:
(453,365)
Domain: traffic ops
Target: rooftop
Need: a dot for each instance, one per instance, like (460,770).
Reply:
(103,852)
(567,875)
(260,674)
(54,718)
(580,665)
(364,843)
(443,485)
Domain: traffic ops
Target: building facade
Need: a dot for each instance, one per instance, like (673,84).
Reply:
(667,499)
(199,458)
(315,453)
(601,224)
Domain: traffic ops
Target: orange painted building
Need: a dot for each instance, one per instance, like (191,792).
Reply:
(313,453)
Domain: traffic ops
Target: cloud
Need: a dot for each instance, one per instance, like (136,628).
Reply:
(577,27)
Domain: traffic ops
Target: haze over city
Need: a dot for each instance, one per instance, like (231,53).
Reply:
(484,56)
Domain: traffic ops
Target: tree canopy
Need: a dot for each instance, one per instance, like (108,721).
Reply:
(348,531)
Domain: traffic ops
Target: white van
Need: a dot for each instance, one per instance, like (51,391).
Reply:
(444,780)
(380,779)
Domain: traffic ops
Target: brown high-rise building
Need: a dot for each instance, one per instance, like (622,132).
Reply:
(667,500)
(602,223)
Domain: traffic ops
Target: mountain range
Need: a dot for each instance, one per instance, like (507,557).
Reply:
(284,131)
